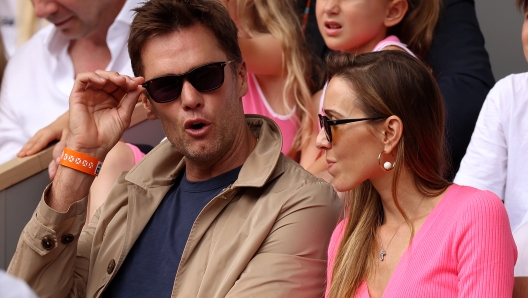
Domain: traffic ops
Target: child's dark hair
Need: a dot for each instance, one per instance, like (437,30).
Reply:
(416,28)
(521,4)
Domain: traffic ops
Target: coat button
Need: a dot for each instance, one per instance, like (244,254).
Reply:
(67,239)
(111,267)
(48,242)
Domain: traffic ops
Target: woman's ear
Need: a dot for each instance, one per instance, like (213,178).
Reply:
(396,10)
(147,105)
(392,132)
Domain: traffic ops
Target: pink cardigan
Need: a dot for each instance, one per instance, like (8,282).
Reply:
(465,248)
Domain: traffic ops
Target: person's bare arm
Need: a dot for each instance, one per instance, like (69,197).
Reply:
(118,160)
(56,131)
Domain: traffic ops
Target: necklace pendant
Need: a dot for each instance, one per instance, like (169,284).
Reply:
(382,254)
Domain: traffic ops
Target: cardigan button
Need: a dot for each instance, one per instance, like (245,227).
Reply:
(48,242)
(67,239)
(111,267)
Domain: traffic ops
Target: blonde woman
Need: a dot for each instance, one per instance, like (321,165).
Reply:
(279,67)
(408,232)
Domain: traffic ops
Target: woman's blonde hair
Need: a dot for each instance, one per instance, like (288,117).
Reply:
(389,83)
(417,27)
(280,19)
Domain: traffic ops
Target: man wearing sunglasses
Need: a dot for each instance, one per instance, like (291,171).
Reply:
(215,211)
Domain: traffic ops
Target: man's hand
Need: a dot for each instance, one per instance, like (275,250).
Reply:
(101,106)
(58,130)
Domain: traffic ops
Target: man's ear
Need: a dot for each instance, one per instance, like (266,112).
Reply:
(396,10)
(242,79)
(392,130)
(147,105)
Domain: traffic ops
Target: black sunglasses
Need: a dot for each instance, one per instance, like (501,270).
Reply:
(326,124)
(203,78)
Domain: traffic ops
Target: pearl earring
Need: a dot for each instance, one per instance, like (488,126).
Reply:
(387,166)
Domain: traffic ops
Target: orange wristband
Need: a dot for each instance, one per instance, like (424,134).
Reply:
(81,162)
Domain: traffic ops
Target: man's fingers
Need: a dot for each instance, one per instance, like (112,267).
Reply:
(87,80)
(128,103)
(111,83)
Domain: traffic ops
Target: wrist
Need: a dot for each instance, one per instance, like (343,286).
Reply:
(81,161)
(97,152)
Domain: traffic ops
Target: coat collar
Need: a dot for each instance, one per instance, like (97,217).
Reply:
(163,163)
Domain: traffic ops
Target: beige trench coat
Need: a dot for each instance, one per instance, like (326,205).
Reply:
(266,235)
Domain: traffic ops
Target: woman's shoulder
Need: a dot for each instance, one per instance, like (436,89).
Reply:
(471,197)
(470,207)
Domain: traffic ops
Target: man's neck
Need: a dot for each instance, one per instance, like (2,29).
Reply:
(91,52)
(88,56)
(234,157)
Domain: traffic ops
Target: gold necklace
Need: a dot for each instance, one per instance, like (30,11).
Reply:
(383,251)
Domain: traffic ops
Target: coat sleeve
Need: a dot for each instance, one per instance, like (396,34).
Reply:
(463,71)
(291,262)
(52,254)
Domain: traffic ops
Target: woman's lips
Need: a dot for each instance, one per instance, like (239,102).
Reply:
(329,164)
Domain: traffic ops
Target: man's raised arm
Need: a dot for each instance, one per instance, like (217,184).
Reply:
(47,256)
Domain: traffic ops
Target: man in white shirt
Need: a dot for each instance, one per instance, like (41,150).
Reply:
(85,36)
(12,287)
(496,158)
(8,24)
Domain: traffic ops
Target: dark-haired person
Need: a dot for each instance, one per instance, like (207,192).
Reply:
(215,211)
(408,232)
(496,156)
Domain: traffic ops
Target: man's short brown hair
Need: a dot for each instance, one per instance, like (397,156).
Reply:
(159,17)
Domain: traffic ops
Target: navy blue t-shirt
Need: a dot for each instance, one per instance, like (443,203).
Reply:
(150,267)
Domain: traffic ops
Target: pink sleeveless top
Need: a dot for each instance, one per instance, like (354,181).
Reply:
(138,155)
(255,103)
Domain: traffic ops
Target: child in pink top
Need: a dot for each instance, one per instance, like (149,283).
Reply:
(363,26)
(256,103)
(279,67)
(408,232)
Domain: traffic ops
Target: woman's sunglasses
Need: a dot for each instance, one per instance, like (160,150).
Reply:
(326,124)
(203,78)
